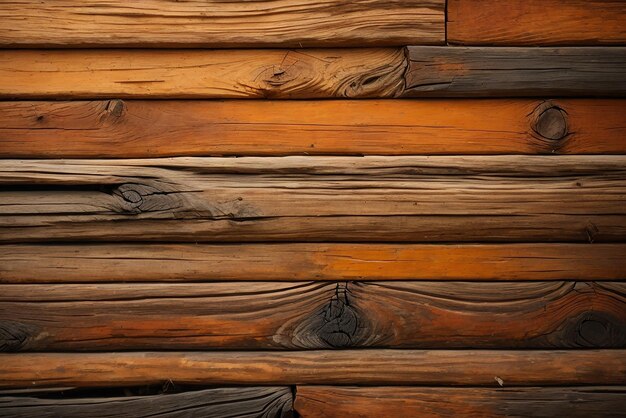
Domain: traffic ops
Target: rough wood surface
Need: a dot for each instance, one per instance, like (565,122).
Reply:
(221,24)
(345,367)
(536,22)
(500,71)
(277,262)
(309,315)
(418,199)
(142,129)
(290,74)
(382,402)
(248,402)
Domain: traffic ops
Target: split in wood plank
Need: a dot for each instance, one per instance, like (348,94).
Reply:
(220,24)
(397,401)
(408,199)
(143,129)
(121,262)
(268,402)
(265,73)
(310,315)
(345,367)
(499,71)
(536,22)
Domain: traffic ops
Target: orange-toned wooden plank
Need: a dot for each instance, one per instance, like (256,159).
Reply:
(310,315)
(221,24)
(140,129)
(536,22)
(372,367)
(398,401)
(330,262)
(196,73)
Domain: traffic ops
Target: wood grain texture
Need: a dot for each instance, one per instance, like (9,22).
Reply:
(348,402)
(286,262)
(410,199)
(501,71)
(221,24)
(344,367)
(536,22)
(142,129)
(289,74)
(309,315)
(262,402)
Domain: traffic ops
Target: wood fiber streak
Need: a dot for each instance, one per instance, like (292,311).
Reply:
(501,71)
(262,402)
(536,22)
(168,74)
(221,24)
(142,129)
(309,315)
(279,262)
(344,367)
(372,402)
(419,199)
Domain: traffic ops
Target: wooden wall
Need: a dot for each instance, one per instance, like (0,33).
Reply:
(290,208)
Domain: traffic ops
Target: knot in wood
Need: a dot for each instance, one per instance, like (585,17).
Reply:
(339,321)
(550,121)
(115,108)
(130,194)
(14,336)
(599,330)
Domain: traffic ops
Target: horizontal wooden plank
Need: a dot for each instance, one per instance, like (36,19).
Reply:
(536,22)
(398,401)
(219,24)
(501,71)
(309,315)
(269,73)
(277,262)
(270,402)
(411,199)
(366,367)
(143,129)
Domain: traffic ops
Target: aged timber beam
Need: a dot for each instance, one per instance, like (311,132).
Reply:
(248,73)
(365,367)
(536,22)
(409,199)
(143,129)
(312,315)
(382,402)
(221,24)
(117,262)
(275,402)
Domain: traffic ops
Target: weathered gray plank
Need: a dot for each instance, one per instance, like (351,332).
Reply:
(243,402)
(432,199)
(502,71)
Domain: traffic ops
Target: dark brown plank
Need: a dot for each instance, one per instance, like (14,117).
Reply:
(412,199)
(267,402)
(201,73)
(221,24)
(142,129)
(308,315)
(277,262)
(536,22)
(344,367)
(500,71)
(382,402)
